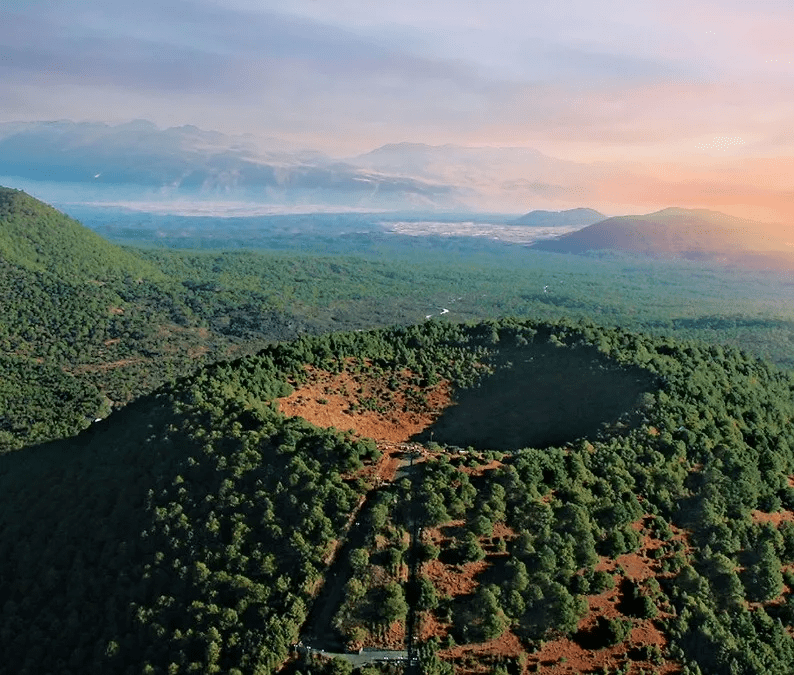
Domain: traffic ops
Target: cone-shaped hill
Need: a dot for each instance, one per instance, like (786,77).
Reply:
(201,529)
(58,306)
(686,233)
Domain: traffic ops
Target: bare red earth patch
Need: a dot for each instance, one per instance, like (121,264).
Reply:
(503,531)
(481,469)
(561,654)
(334,400)
(430,627)
(453,580)
(775,518)
(566,655)
(473,658)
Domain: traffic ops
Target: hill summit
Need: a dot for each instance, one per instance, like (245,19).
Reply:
(570,217)
(685,233)
(205,529)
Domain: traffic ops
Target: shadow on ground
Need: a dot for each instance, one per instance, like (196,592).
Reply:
(539,396)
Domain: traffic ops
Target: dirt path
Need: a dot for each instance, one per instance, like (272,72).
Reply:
(318,632)
(330,400)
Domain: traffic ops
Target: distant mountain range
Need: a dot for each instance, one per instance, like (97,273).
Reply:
(143,167)
(686,233)
(188,161)
(99,161)
(436,161)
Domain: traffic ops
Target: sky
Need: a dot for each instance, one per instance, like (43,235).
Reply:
(685,102)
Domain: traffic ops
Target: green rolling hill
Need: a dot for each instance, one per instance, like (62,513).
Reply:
(37,237)
(87,325)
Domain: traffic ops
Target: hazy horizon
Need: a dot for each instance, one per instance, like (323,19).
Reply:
(665,104)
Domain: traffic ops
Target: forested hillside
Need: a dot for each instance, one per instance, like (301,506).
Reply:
(37,237)
(88,326)
(193,530)
(399,278)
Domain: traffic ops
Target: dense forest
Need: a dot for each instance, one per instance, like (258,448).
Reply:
(193,530)
(567,495)
(103,324)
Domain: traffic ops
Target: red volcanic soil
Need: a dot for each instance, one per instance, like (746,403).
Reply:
(334,400)
(565,655)
(429,626)
(454,580)
(470,658)
(775,518)
(392,418)
(561,654)
(481,469)
(393,638)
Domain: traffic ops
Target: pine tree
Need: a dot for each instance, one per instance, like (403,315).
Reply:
(764,579)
